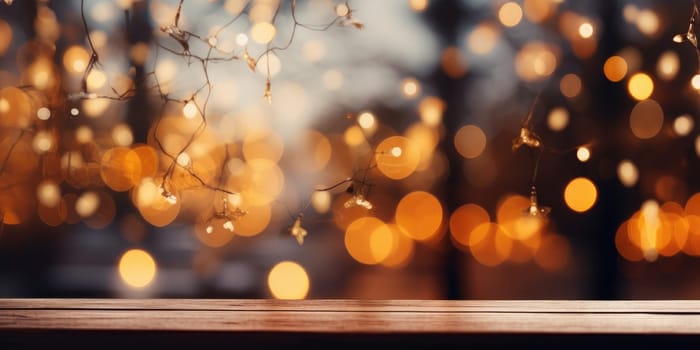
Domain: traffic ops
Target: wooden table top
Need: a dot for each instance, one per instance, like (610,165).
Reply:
(671,317)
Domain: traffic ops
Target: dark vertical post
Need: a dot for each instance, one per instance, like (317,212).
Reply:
(444,17)
(138,30)
(611,199)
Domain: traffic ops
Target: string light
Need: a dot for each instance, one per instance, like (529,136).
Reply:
(179,160)
(297,231)
(227,215)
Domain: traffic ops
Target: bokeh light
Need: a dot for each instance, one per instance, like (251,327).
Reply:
(368,240)
(288,280)
(464,220)
(580,194)
(470,141)
(615,68)
(510,14)
(640,86)
(137,268)
(683,125)
(646,119)
(558,119)
(420,215)
(401,166)
(627,173)
(583,154)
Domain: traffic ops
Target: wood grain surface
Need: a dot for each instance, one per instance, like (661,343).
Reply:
(676,317)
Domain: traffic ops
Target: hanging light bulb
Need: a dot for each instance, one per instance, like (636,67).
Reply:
(297,231)
(689,36)
(228,225)
(358,200)
(528,138)
(169,197)
(534,209)
(250,60)
(268,92)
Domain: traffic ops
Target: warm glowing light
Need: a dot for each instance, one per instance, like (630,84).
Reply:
(189,110)
(410,88)
(615,68)
(536,61)
(668,65)
(483,38)
(570,85)
(539,10)
(430,110)
(418,5)
(263,144)
(649,226)
(241,39)
(585,30)
(157,206)
(76,59)
(489,244)
(43,142)
(43,113)
(48,193)
(646,119)
(647,22)
(464,220)
(627,173)
(470,141)
(122,135)
(342,10)
(263,32)
(401,249)
(354,136)
(5,35)
(366,240)
(96,80)
(137,268)
(120,168)
(183,159)
(683,125)
(321,201)
(261,181)
(426,139)
(558,119)
(83,134)
(396,151)
(695,82)
(420,215)
(624,245)
(397,167)
(510,14)
(583,154)
(513,216)
(255,220)
(697,146)
(74,112)
(580,194)
(214,231)
(288,280)
(640,86)
(366,120)
(87,204)
(262,11)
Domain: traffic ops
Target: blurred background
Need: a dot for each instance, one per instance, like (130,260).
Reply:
(147,151)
